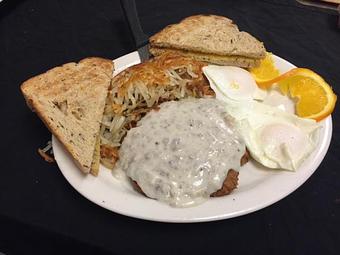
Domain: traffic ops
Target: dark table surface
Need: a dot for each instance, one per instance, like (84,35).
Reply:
(41,213)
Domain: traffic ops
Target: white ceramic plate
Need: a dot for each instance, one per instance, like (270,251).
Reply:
(258,186)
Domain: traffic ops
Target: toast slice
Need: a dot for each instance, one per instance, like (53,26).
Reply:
(213,38)
(70,100)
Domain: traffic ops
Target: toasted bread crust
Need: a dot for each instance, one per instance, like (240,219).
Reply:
(209,34)
(70,100)
(239,61)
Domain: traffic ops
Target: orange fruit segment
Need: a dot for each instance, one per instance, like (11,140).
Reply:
(315,99)
(266,70)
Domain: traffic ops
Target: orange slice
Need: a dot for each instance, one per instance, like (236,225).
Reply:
(315,98)
(266,70)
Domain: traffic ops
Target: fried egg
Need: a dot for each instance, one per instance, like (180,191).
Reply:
(275,138)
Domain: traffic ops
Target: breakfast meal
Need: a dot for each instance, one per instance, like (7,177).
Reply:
(209,38)
(181,125)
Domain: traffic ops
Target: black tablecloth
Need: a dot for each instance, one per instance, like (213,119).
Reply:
(41,212)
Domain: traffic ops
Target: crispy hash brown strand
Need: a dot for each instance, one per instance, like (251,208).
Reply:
(108,152)
(141,88)
(45,156)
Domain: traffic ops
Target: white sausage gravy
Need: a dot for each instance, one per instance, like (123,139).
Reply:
(181,153)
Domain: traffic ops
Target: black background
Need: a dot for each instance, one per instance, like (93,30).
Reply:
(41,213)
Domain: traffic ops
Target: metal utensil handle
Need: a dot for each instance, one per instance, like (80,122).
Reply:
(131,15)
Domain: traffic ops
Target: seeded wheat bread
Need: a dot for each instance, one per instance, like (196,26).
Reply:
(70,100)
(208,34)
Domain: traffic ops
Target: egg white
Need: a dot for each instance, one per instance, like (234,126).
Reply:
(275,138)
(234,82)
